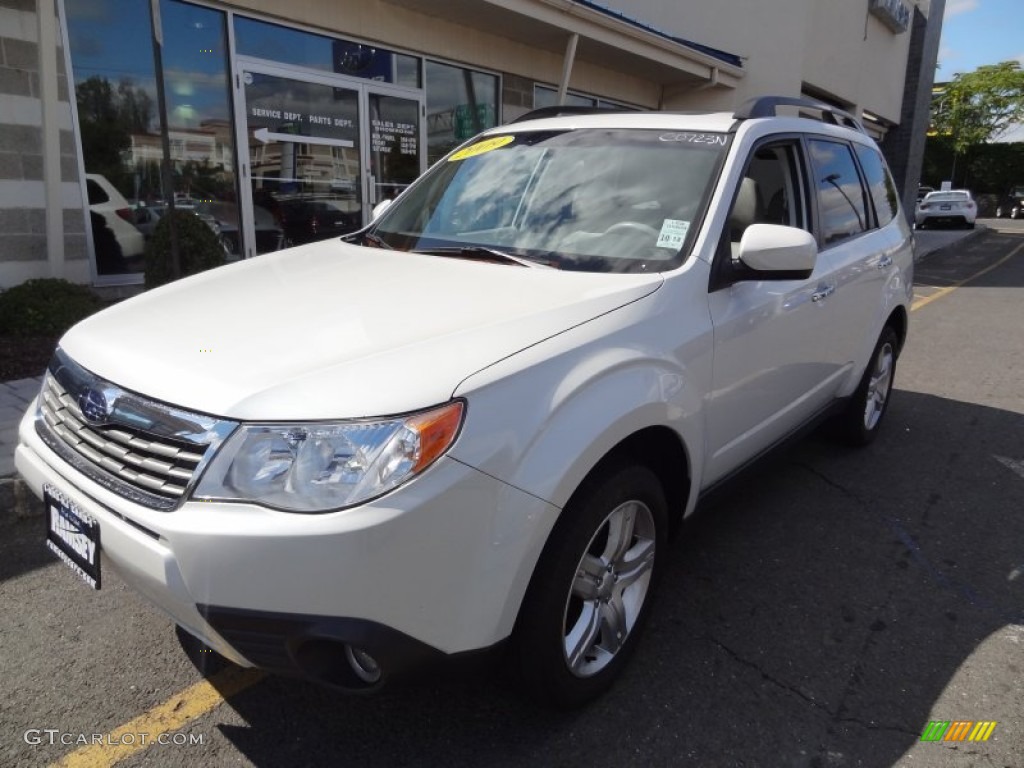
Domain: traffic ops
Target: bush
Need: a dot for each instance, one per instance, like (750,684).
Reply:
(199,248)
(45,307)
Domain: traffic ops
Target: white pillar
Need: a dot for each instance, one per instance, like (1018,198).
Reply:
(570,57)
(51,136)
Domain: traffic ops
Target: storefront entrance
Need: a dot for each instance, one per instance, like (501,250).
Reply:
(317,152)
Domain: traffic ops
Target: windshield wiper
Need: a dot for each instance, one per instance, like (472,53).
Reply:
(484,254)
(375,241)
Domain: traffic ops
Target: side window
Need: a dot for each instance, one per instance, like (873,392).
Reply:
(95,192)
(841,202)
(769,193)
(880,184)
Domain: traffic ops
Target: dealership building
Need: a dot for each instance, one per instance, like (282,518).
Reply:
(287,122)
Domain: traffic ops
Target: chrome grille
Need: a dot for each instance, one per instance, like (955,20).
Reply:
(141,449)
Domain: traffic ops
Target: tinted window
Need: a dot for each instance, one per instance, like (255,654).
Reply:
(841,201)
(880,184)
(305,49)
(460,104)
(96,193)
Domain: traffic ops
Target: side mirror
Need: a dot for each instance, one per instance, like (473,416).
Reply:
(379,208)
(781,252)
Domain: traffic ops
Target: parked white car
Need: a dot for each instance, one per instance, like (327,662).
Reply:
(476,423)
(955,206)
(117,215)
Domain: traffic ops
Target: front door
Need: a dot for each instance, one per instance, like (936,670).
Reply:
(322,151)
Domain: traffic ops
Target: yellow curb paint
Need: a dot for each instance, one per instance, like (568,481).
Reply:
(918,303)
(171,715)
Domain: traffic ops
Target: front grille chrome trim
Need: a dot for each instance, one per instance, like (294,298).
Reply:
(141,449)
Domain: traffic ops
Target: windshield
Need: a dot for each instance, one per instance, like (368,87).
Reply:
(592,200)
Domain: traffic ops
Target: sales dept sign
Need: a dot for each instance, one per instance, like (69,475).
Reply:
(893,13)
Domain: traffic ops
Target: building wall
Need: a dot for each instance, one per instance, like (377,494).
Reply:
(835,46)
(26,249)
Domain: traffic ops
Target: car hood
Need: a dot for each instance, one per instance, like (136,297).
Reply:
(332,330)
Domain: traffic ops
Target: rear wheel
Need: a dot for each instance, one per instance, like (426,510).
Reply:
(860,422)
(591,591)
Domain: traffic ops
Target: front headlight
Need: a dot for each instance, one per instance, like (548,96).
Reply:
(318,467)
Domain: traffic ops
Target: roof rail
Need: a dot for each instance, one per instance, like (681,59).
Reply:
(563,110)
(767,106)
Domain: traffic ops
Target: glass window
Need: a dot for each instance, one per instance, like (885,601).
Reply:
(880,184)
(589,200)
(543,96)
(115,93)
(841,202)
(305,49)
(460,104)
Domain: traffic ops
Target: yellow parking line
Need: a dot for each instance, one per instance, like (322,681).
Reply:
(169,716)
(918,303)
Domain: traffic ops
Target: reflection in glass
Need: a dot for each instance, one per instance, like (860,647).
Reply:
(548,97)
(305,49)
(394,145)
(589,200)
(304,154)
(115,94)
(460,104)
(840,195)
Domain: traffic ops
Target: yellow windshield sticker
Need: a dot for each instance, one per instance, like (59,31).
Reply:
(480,147)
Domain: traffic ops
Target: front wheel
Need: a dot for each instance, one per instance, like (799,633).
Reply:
(859,423)
(591,591)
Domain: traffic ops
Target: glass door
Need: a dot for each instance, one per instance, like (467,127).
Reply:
(304,161)
(395,147)
(322,151)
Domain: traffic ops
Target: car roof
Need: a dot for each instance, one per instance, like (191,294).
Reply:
(716,122)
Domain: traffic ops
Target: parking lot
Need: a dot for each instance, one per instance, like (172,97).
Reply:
(819,610)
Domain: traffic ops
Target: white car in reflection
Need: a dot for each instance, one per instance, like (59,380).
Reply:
(117,215)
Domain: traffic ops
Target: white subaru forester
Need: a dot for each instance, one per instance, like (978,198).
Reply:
(473,425)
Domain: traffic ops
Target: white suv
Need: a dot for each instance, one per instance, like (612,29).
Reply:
(479,419)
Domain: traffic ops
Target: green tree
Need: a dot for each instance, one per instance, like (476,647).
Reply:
(978,106)
(107,117)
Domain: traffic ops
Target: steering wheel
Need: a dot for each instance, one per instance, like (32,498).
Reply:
(635,227)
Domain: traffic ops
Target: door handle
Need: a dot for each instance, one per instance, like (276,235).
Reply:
(823,292)
(885,261)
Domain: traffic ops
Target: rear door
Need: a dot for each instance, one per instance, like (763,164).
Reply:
(859,239)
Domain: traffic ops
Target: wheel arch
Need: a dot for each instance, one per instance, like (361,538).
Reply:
(898,320)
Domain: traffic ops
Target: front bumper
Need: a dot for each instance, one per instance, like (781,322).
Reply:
(435,569)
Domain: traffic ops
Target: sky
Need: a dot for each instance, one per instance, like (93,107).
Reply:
(977,32)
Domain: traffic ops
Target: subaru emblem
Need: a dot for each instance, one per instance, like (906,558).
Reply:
(93,405)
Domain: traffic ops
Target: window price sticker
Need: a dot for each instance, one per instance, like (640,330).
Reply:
(673,232)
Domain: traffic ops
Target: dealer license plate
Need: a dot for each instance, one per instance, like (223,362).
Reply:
(72,535)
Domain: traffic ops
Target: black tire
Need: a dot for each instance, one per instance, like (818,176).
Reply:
(858,424)
(554,612)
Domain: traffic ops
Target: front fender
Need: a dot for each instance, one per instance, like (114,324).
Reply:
(543,419)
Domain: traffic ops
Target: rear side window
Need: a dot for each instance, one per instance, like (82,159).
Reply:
(841,202)
(880,184)
(95,192)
